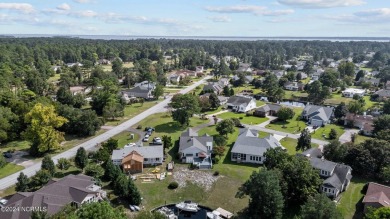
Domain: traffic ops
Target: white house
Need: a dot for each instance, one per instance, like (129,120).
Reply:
(153,155)
(249,148)
(241,103)
(196,149)
(350,92)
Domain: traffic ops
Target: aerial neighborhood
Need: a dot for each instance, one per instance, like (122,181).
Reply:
(197,128)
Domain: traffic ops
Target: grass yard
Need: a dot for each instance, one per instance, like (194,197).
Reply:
(128,65)
(7,192)
(290,144)
(350,204)
(71,141)
(291,94)
(107,68)
(361,138)
(132,110)
(294,125)
(260,103)
(252,120)
(336,99)
(55,78)
(238,90)
(15,145)
(9,169)
(124,138)
(214,111)
(318,134)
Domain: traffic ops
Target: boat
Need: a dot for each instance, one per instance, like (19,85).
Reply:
(132,208)
(137,208)
(213,215)
(188,206)
(168,213)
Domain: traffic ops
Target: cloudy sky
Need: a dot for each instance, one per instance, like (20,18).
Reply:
(357,18)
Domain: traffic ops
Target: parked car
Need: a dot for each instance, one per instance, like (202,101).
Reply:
(147,129)
(7,154)
(3,202)
(146,138)
(157,140)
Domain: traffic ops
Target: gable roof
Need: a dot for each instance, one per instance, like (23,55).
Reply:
(339,177)
(134,155)
(189,132)
(325,113)
(249,143)
(213,86)
(268,107)
(359,118)
(312,152)
(239,100)
(146,152)
(322,164)
(383,93)
(377,193)
(53,196)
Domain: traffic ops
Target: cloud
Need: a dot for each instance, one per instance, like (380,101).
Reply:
(84,13)
(252,9)
(64,7)
(321,3)
(83,1)
(223,19)
(20,7)
(371,17)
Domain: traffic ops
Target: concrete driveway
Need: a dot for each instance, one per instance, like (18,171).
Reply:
(346,137)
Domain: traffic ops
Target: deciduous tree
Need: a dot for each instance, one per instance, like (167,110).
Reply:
(285,113)
(320,207)
(48,164)
(225,127)
(304,141)
(81,159)
(63,164)
(23,183)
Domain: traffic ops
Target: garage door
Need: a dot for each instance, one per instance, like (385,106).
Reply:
(316,122)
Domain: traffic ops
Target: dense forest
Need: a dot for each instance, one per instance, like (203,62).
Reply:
(26,64)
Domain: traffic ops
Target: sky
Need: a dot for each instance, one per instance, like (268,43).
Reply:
(246,18)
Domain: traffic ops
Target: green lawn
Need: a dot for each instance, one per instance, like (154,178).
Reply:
(361,138)
(9,169)
(132,110)
(318,134)
(214,111)
(336,99)
(290,144)
(252,120)
(238,90)
(260,103)
(55,78)
(291,94)
(124,138)
(15,145)
(294,125)
(128,65)
(350,203)
(107,68)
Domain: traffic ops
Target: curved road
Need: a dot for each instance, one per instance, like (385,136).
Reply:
(159,107)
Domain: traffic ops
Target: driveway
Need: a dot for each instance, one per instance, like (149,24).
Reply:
(346,137)
(90,144)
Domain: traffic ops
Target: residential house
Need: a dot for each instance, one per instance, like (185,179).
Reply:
(75,190)
(312,152)
(186,73)
(196,149)
(350,92)
(278,73)
(316,75)
(249,148)
(336,176)
(241,103)
(80,90)
(174,78)
(317,115)
(104,62)
(384,94)
(224,82)
(56,68)
(248,78)
(364,122)
(215,87)
(373,81)
(294,86)
(303,75)
(199,69)
(244,67)
(222,99)
(267,110)
(140,90)
(74,64)
(134,158)
(377,196)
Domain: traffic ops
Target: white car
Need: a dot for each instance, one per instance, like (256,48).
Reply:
(157,140)
(3,202)
(146,138)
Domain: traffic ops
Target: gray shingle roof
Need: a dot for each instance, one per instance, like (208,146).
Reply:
(268,107)
(323,164)
(383,93)
(53,196)
(146,152)
(213,86)
(238,100)
(325,113)
(190,138)
(339,177)
(249,143)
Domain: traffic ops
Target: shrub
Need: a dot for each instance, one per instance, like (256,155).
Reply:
(216,173)
(173,185)
(240,117)
(3,161)
(139,127)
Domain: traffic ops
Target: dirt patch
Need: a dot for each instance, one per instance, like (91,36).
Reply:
(201,178)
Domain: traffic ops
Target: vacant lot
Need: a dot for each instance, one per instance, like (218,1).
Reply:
(132,110)
(294,125)
(250,120)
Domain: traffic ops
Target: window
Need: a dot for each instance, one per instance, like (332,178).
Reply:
(234,156)
(146,159)
(243,156)
(196,155)
(157,159)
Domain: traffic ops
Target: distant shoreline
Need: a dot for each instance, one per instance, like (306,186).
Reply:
(228,38)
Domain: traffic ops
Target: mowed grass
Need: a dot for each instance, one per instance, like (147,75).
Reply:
(131,111)
(361,138)
(290,144)
(336,99)
(288,94)
(251,120)
(294,125)
(9,169)
(18,145)
(320,132)
(124,138)
(350,204)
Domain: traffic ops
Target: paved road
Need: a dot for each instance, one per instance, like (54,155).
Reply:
(160,107)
